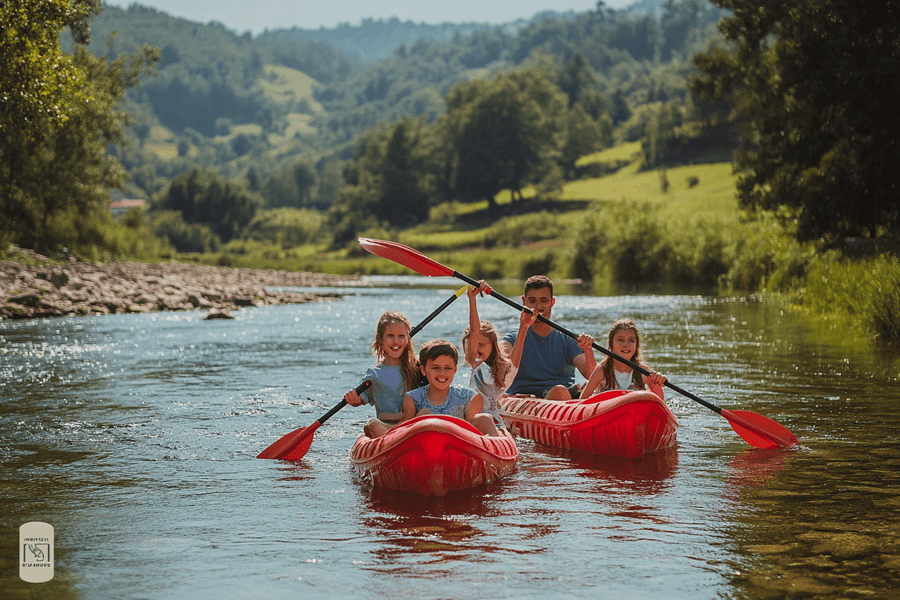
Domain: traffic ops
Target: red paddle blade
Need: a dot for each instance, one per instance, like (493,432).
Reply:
(291,446)
(760,431)
(406,256)
(302,445)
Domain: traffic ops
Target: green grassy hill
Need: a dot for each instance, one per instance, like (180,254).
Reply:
(528,236)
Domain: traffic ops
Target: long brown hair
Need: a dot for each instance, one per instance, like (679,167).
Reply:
(496,360)
(408,364)
(609,378)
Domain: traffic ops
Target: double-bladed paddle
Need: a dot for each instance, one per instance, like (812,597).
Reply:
(293,445)
(754,428)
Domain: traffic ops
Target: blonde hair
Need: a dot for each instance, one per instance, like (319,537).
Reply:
(496,360)
(609,378)
(408,364)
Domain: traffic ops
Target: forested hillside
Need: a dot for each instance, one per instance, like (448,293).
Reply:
(261,109)
(252,127)
(372,40)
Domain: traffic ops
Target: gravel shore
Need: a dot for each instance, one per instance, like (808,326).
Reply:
(44,289)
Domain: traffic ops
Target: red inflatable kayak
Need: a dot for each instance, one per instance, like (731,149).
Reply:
(433,455)
(615,423)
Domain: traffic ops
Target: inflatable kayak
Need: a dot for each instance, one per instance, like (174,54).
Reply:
(614,423)
(433,455)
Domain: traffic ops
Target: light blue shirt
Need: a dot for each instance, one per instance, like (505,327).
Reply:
(455,405)
(388,391)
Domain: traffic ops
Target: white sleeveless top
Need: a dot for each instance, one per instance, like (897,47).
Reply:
(624,381)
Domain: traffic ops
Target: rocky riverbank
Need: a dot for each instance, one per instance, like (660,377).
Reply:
(43,289)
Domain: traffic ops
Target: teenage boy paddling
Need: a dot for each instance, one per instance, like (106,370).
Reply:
(549,358)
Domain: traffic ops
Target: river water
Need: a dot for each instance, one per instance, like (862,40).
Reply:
(135,437)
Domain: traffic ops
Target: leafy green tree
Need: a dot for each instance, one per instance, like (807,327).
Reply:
(55,169)
(388,182)
(659,133)
(502,134)
(330,183)
(620,112)
(638,36)
(306,179)
(184,236)
(402,196)
(810,79)
(352,213)
(225,206)
(680,19)
(39,84)
(293,186)
(577,79)
(40,89)
(289,227)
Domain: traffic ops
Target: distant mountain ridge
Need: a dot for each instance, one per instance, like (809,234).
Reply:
(374,40)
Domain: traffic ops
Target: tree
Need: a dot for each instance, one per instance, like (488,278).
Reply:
(305,178)
(621,112)
(388,182)
(810,78)
(577,79)
(402,199)
(225,206)
(659,133)
(330,183)
(502,134)
(39,84)
(680,18)
(184,236)
(293,186)
(55,169)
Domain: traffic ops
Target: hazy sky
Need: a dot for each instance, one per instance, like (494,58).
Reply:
(257,15)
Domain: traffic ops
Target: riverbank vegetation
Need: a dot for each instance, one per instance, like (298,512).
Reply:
(588,147)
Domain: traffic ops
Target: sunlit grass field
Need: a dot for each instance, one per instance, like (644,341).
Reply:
(288,86)
(713,194)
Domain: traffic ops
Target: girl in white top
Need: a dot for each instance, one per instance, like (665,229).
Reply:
(610,374)
(492,371)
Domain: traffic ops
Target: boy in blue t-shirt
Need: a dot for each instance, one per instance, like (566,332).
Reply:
(548,357)
(439,360)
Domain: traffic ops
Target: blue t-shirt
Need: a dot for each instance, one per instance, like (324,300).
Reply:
(546,362)
(455,405)
(388,390)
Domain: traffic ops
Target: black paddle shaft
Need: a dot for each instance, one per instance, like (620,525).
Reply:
(435,313)
(572,335)
(334,409)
